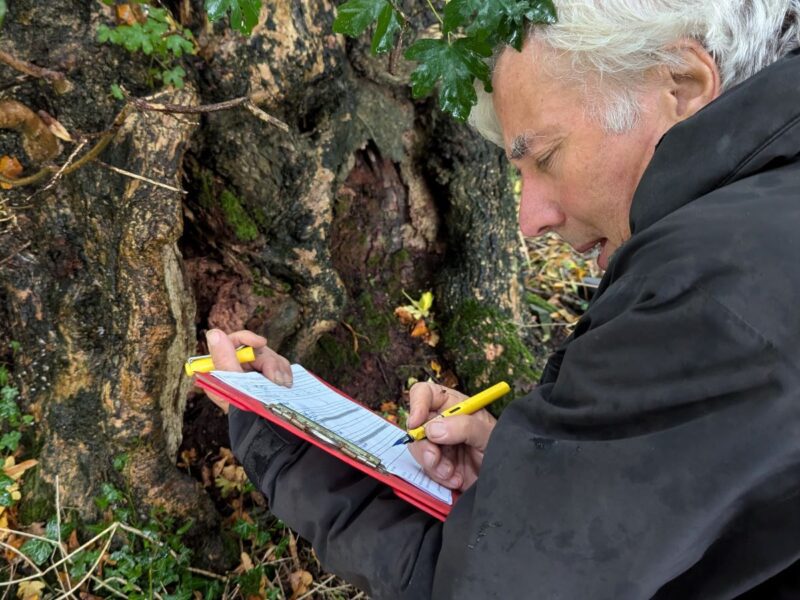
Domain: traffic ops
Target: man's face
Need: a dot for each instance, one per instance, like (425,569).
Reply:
(577,180)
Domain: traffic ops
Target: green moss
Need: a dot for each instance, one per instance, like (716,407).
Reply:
(207,197)
(243,226)
(38,502)
(331,356)
(478,330)
(375,323)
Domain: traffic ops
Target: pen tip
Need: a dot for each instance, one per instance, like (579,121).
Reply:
(403,440)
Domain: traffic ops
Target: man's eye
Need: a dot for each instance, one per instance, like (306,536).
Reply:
(543,162)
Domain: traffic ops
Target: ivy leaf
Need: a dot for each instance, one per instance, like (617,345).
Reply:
(3,10)
(37,550)
(456,65)
(244,13)
(353,18)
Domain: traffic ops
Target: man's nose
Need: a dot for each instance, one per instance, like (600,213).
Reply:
(538,210)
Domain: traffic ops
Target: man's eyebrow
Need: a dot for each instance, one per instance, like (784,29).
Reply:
(520,146)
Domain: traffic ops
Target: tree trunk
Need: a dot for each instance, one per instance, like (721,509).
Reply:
(310,237)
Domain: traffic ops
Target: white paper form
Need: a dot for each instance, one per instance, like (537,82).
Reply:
(355,423)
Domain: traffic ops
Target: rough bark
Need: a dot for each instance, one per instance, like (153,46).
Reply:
(292,235)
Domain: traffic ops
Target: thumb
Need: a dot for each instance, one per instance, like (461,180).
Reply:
(222,351)
(466,429)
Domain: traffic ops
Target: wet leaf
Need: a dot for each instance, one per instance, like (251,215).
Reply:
(420,329)
(404,314)
(353,18)
(10,168)
(243,13)
(454,66)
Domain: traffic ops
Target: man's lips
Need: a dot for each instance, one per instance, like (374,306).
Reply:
(591,245)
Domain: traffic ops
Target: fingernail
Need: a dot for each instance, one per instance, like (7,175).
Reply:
(279,378)
(430,458)
(445,469)
(212,337)
(435,430)
(287,380)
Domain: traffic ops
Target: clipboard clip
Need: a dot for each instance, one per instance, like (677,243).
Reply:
(326,435)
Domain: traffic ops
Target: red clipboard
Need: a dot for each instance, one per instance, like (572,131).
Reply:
(404,490)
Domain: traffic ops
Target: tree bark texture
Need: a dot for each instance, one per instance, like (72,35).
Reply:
(309,237)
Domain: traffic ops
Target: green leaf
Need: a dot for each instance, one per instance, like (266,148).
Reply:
(389,25)
(456,65)
(497,21)
(174,77)
(121,461)
(116,91)
(37,550)
(10,441)
(244,13)
(179,45)
(353,17)
(5,495)
(3,10)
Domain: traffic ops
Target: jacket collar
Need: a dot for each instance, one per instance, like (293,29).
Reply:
(749,127)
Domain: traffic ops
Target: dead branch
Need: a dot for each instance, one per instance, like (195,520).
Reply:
(38,141)
(248,102)
(60,83)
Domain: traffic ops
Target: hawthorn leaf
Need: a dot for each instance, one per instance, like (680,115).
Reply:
(389,25)
(353,17)
(244,13)
(456,65)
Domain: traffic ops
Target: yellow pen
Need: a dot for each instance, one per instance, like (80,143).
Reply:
(465,407)
(204,364)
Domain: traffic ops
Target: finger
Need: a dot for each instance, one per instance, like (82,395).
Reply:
(426,397)
(247,338)
(223,404)
(442,469)
(467,429)
(273,366)
(426,454)
(222,351)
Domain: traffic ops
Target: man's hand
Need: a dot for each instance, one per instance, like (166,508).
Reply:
(453,453)
(222,349)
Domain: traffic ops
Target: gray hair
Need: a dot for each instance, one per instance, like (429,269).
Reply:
(616,42)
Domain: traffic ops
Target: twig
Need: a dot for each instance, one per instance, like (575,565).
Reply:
(317,586)
(58,542)
(246,101)
(111,528)
(13,254)
(28,560)
(61,171)
(58,80)
(96,150)
(207,573)
(104,585)
(140,177)
(90,571)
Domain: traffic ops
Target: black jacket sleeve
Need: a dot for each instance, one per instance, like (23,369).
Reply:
(359,529)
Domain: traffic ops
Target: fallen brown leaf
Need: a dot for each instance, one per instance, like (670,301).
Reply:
(300,581)
(10,168)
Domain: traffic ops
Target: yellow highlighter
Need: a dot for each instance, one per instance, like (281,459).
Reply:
(465,407)
(204,364)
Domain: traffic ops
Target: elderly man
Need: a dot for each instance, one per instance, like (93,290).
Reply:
(660,455)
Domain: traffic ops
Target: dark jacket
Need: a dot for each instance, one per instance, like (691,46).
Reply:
(660,456)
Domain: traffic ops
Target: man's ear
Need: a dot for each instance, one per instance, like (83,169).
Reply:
(696,82)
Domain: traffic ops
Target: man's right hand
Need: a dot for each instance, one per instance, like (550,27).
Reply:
(453,451)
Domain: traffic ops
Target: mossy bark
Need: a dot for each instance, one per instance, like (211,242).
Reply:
(108,281)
